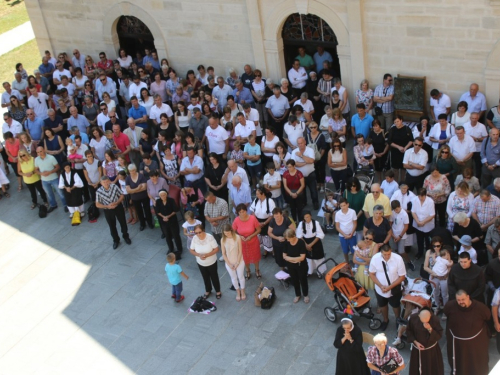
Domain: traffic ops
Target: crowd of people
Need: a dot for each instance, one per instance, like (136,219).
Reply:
(237,155)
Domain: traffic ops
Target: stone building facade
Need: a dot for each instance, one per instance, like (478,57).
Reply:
(451,42)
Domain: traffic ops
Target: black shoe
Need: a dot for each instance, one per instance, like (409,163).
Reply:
(418,257)
(163,236)
(115,245)
(128,241)
(51,209)
(232,287)
(141,228)
(316,206)
(384,325)
(411,265)
(66,209)
(151,225)
(178,255)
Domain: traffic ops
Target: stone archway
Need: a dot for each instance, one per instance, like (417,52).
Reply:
(350,42)
(110,22)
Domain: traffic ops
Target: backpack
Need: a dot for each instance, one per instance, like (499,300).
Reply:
(312,145)
(267,303)
(201,305)
(42,211)
(93,212)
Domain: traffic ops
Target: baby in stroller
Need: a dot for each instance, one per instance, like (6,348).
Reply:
(417,294)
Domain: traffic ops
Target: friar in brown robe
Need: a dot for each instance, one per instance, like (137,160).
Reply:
(467,335)
(423,332)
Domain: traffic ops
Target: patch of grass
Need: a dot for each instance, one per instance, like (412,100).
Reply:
(27,54)
(12,14)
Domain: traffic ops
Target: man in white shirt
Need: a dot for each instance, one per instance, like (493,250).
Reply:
(158,109)
(304,162)
(292,131)
(11,125)
(135,87)
(387,270)
(423,212)
(78,59)
(244,129)
(252,115)
(462,148)
(478,133)
(297,76)
(440,103)
(233,170)
(133,133)
(38,101)
(306,105)
(59,72)
(216,138)
(221,92)
(346,221)
(192,169)
(475,100)
(107,85)
(103,117)
(415,163)
(277,108)
(8,93)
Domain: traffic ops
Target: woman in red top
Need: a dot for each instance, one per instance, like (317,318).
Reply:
(12,149)
(294,184)
(248,227)
(33,82)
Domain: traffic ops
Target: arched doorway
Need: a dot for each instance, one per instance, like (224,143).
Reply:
(133,35)
(309,31)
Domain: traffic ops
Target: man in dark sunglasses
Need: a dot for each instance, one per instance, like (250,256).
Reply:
(384,101)
(39,102)
(415,161)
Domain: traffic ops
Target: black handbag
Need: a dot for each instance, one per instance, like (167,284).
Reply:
(389,367)
(267,303)
(378,111)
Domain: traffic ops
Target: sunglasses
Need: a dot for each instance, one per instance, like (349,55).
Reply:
(198,232)
(102,57)
(368,239)
(103,79)
(141,71)
(336,146)
(436,246)
(112,116)
(444,152)
(313,127)
(88,60)
(23,156)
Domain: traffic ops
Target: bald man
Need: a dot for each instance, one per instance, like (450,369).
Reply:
(377,197)
(476,100)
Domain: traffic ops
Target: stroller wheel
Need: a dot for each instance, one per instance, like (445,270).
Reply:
(375,324)
(401,345)
(330,314)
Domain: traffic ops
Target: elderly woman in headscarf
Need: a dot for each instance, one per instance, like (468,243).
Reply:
(72,185)
(351,359)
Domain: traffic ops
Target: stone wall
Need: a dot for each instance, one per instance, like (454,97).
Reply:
(451,42)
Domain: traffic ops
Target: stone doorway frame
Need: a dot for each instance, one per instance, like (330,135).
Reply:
(110,33)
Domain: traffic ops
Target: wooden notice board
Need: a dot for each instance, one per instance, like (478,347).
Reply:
(409,97)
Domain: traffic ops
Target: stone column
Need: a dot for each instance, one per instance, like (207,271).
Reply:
(275,59)
(492,86)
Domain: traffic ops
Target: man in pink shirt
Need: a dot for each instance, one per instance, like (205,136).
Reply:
(122,141)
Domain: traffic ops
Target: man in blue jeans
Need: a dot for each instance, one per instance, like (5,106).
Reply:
(46,166)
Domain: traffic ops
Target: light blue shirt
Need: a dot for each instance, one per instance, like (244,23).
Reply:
(85,138)
(221,95)
(173,272)
(278,106)
(474,104)
(110,88)
(81,122)
(252,150)
(35,128)
(319,60)
(362,126)
(245,95)
(241,195)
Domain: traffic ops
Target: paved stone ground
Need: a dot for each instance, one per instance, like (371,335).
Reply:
(70,304)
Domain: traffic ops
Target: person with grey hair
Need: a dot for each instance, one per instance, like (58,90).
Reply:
(365,94)
(306,105)
(382,230)
(231,79)
(492,238)
(239,193)
(20,84)
(465,225)
(136,185)
(221,92)
(278,108)
(242,94)
(78,120)
(109,198)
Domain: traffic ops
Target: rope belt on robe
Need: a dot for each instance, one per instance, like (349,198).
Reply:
(464,339)
(420,355)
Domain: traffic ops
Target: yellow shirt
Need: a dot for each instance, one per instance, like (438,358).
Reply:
(383,200)
(28,167)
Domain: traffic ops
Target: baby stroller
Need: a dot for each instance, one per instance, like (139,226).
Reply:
(365,175)
(418,293)
(350,297)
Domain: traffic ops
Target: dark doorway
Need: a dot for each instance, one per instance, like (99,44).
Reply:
(134,36)
(309,31)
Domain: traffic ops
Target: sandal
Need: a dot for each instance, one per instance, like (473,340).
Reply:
(238,297)
(130,220)
(19,188)
(296,299)
(243,296)
(306,299)
(218,295)
(258,275)
(206,295)
(133,222)
(248,276)
(33,206)
(7,194)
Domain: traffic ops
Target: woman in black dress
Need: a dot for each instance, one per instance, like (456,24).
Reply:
(294,255)
(380,226)
(381,149)
(351,359)
(399,139)
(277,227)
(213,177)
(136,184)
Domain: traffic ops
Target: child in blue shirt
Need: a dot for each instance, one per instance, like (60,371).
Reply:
(174,272)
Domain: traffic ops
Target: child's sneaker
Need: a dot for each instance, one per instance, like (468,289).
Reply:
(180,299)
(172,296)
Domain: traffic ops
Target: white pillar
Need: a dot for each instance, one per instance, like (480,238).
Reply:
(274,50)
